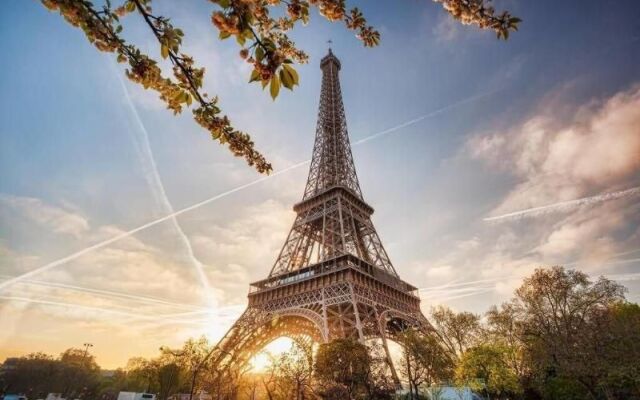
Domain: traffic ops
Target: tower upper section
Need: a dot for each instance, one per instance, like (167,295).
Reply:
(332,161)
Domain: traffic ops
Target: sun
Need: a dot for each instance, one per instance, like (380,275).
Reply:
(261,361)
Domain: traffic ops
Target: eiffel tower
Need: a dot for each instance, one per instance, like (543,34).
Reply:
(332,278)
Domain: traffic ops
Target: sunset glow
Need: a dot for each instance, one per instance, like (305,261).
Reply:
(127,227)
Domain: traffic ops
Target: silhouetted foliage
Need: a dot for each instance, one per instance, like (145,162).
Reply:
(342,368)
(562,336)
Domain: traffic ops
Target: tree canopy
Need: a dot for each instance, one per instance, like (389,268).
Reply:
(561,336)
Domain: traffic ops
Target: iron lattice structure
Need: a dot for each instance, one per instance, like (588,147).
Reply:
(332,278)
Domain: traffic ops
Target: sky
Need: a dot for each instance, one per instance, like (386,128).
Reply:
(450,129)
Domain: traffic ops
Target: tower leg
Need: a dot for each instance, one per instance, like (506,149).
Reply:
(325,321)
(394,373)
(383,336)
(357,315)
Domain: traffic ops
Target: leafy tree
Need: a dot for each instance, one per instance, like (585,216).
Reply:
(111,385)
(79,373)
(223,383)
(557,310)
(485,368)
(616,341)
(260,27)
(194,357)
(425,361)
(74,373)
(33,375)
(142,374)
(380,384)
(250,387)
(457,331)
(342,368)
(169,379)
(290,374)
(504,328)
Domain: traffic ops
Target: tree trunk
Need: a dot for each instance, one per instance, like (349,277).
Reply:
(193,384)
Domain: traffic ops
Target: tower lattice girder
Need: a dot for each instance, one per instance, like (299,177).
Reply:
(332,278)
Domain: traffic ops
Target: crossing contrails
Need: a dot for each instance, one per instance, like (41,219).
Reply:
(150,169)
(171,216)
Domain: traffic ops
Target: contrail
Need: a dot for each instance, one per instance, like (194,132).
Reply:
(428,115)
(222,312)
(98,309)
(155,183)
(565,205)
(113,294)
(475,293)
(234,309)
(130,232)
(463,283)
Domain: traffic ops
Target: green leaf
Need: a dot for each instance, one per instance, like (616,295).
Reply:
(274,89)
(264,83)
(224,34)
(131,6)
(164,51)
(224,3)
(293,72)
(286,79)
(255,75)
(259,53)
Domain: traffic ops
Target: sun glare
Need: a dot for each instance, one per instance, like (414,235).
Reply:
(261,361)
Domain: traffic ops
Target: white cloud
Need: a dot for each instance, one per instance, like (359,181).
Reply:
(555,158)
(555,161)
(245,248)
(446,29)
(57,219)
(443,271)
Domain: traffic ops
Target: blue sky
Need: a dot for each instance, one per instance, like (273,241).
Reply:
(551,115)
